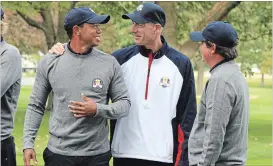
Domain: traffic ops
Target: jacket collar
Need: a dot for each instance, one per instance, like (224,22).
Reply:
(219,63)
(162,51)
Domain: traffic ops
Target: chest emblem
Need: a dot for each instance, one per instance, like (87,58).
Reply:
(164,82)
(97,83)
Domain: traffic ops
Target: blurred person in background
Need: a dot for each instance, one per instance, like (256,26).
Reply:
(11,74)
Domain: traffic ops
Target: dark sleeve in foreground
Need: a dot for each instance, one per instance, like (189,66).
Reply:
(186,113)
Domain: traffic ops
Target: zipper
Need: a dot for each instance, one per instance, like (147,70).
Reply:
(151,58)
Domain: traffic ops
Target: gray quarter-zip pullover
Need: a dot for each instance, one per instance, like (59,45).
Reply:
(98,76)
(220,131)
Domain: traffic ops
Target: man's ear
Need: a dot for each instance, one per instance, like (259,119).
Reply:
(213,48)
(76,30)
(158,28)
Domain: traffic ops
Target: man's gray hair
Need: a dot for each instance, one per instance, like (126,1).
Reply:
(226,52)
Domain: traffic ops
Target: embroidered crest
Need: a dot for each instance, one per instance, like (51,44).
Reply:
(140,7)
(164,82)
(97,83)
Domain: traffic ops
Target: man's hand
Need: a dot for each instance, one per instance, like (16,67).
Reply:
(57,49)
(28,155)
(82,109)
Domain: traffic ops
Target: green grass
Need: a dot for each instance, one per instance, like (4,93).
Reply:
(42,137)
(260,126)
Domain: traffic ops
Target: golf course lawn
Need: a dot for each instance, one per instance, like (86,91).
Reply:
(260,125)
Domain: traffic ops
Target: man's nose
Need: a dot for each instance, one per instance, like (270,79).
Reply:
(134,29)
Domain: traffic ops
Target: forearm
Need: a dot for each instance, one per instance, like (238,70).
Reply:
(212,147)
(218,109)
(211,152)
(215,123)
(33,119)
(119,95)
(36,106)
(115,110)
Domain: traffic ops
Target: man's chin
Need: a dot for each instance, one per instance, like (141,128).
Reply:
(95,44)
(138,43)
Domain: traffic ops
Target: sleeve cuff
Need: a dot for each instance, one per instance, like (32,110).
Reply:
(99,107)
(28,146)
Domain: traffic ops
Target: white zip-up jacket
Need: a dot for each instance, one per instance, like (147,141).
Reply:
(163,105)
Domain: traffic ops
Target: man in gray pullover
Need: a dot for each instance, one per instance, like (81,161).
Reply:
(220,131)
(11,74)
(85,74)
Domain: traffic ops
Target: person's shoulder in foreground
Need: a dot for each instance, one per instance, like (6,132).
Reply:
(11,74)
(8,47)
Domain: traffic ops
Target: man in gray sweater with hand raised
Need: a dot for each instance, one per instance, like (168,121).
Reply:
(82,83)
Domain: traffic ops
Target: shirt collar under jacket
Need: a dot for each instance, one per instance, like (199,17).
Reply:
(219,63)
(85,53)
(162,51)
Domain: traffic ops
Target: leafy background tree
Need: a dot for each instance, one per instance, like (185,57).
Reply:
(40,25)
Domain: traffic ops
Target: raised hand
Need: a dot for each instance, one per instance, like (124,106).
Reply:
(57,49)
(82,109)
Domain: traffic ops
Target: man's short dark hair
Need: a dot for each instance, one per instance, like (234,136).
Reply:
(227,53)
(69,31)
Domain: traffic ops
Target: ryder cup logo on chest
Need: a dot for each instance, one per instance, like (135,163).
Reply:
(97,83)
(164,82)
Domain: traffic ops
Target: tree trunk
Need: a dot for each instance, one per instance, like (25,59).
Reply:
(169,31)
(189,48)
(53,33)
(50,40)
(61,33)
(200,77)
(218,12)
(48,27)
(61,37)
(262,80)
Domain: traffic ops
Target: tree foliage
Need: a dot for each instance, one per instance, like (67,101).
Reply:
(116,34)
(45,16)
(43,24)
(253,22)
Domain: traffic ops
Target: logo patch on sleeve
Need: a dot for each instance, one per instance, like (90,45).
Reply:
(164,82)
(97,83)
